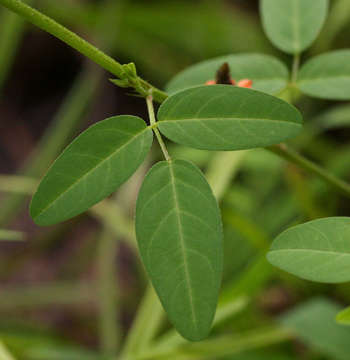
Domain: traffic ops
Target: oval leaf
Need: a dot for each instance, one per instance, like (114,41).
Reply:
(223,117)
(293,25)
(327,76)
(91,168)
(343,317)
(179,232)
(318,250)
(268,74)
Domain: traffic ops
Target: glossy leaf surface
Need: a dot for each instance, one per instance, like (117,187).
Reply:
(293,25)
(318,250)
(223,117)
(268,73)
(327,76)
(91,168)
(179,232)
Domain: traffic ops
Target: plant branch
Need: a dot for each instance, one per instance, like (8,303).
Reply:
(152,118)
(295,68)
(93,53)
(291,155)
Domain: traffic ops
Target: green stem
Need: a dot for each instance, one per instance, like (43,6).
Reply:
(295,68)
(11,30)
(70,38)
(107,294)
(292,156)
(145,325)
(9,235)
(4,353)
(149,101)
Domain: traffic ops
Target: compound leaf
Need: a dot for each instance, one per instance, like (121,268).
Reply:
(179,232)
(327,76)
(223,117)
(318,250)
(293,25)
(268,73)
(91,168)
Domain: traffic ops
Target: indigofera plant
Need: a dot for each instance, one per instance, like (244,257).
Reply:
(178,222)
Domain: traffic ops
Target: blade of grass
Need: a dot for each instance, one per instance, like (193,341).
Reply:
(107,285)
(11,30)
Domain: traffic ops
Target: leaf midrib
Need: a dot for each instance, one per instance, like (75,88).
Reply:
(311,79)
(229,118)
(90,171)
(312,251)
(182,243)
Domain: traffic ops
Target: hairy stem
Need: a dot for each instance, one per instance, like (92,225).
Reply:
(292,156)
(99,57)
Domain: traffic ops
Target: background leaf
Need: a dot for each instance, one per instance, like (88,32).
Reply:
(179,232)
(223,117)
(268,73)
(327,76)
(293,25)
(318,250)
(343,317)
(313,323)
(91,168)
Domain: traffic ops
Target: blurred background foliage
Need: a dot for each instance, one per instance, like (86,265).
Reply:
(72,291)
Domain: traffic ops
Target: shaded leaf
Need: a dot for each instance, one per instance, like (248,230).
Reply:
(313,323)
(293,25)
(91,168)
(327,76)
(179,232)
(223,117)
(318,250)
(268,73)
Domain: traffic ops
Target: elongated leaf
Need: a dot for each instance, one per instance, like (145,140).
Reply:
(224,117)
(327,76)
(318,250)
(335,118)
(313,324)
(91,168)
(293,25)
(268,73)
(179,232)
(343,317)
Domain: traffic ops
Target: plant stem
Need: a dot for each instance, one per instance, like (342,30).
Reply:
(4,353)
(145,325)
(295,68)
(291,155)
(107,295)
(70,38)
(152,118)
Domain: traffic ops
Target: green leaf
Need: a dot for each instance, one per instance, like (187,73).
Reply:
(327,76)
(313,323)
(268,73)
(91,168)
(179,232)
(318,250)
(223,117)
(293,25)
(343,317)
